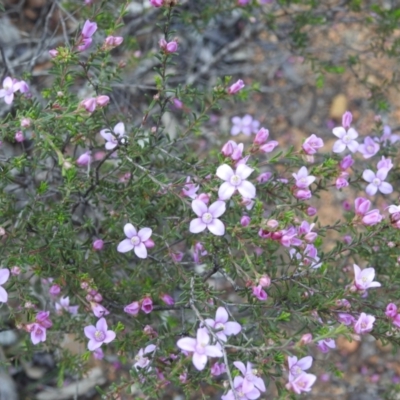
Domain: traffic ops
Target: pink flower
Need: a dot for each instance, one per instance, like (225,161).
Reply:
(64,305)
(133,308)
(4,275)
(303,180)
(326,344)
(385,163)
(372,217)
(200,348)
(208,217)
(251,380)
(98,309)
(38,333)
(240,393)
(311,211)
(259,292)
(297,367)
(364,324)
(112,41)
(269,146)
(346,319)
(391,310)
(302,383)
(157,3)
(245,220)
(141,361)
(89,28)
(222,326)
(369,148)
(42,318)
(306,229)
(168,47)
(190,189)
(346,162)
(387,136)
(147,305)
(246,125)
(239,85)
(113,138)
(303,194)
(9,87)
(98,334)
(198,251)
(19,137)
(377,182)
(167,299)
(346,139)
(235,181)
(312,144)
(135,240)
(346,119)
(53,53)
(102,100)
(364,279)
(98,354)
(54,290)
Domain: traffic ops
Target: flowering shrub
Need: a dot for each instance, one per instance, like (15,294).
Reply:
(188,268)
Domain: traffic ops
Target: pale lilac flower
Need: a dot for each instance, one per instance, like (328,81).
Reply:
(303,180)
(341,181)
(89,28)
(53,53)
(85,43)
(98,334)
(42,318)
(38,333)
(4,275)
(369,148)
(64,305)
(326,344)
(302,383)
(222,326)
(269,146)
(200,348)
(259,293)
(234,88)
(364,324)
(310,256)
(385,163)
(9,87)
(364,279)
(288,237)
(305,229)
(190,189)
(312,144)
(377,181)
(218,369)
(346,119)
(246,125)
(135,240)
(387,135)
(141,361)
(235,181)
(208,217)
(133,308)
(240,393)
(297,367)
(251,380)
(113,138)
(346,319)
(346,139)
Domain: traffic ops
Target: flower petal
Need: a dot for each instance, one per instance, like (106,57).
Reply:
(94,344)
(338,146)
(197,225)
(385,188)
(3,295)
(145,234)
(382,173)
(232,328)
(371,189)
(199,207)
(339,132)
(244,171)
(101,325)
(221,315)
(199,361)
(226,191)
(247,189)
(352,133)
(140,250)
(213,351)
(89,331)
(125,246)
(224,172)
(368,175)
(130,230)
(187,343)
(353,146)
(216,227)
(240,366)
(119,129)
(217,208)
(4,275)
(110,336)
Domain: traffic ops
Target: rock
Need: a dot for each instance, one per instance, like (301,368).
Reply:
(338,106)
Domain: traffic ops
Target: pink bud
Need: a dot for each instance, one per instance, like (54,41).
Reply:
(102,100)
(270,146)
(259,293)
(98,353)
(25,122)
(53,53)
(149,243)
(19,137)
(147,305)
(347,239)
(264,177)
(88,104)
(245,220)
(391,310)
(204,197)
(98,298)
(346,119)
(15,270)
(84,285)
(265,281)
(84,159)
(167,299)
(272,223)
(346,162)
(306,339)
(177,103)
(303,194)
(113,41)
(227,148)
(89,29)
(98,245)
(371,218)
(133,308)
(239,85)
(261,136)
(177,257)
(311,211)
(157,3)
(149,331)
(171,47)
(55,290)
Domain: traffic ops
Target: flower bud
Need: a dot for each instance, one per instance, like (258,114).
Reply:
(306,339)
(147,305)
(167,299)
(133,308)
(98,245)
(102,100)
(15,270)
(239,85)
(347,118)
(261,137)
(245,220)
(25,122)
(84,159)
(311,211)
(227,148)
(265,281)
(53,53)
(19,137)
(54,290)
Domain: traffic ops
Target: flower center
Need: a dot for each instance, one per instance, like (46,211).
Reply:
(99,336)
(236,180)
(207,218)
(370,149)
(201,348)
(219,326)
(346,139)
(39,331)
(363,325)
(376,181)
(135,240)
(296,370)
